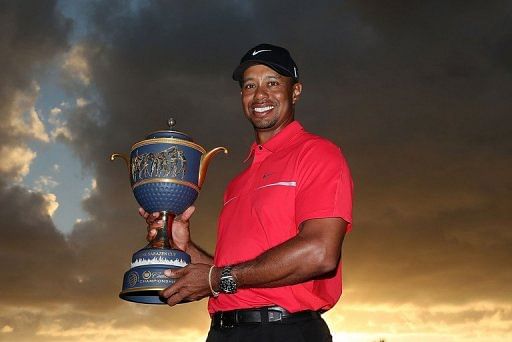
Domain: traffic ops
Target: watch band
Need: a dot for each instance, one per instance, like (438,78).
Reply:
(227,282)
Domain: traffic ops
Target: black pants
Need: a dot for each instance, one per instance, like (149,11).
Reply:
(310,329)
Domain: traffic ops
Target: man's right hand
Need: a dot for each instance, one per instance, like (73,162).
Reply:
(180,237)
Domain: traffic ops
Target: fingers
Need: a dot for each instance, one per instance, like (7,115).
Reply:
(176,292)
(175,298)
(169,293)
(191,284)
(153,217)
(153,221)
(150,217)
(152,229)
(188,213)
(176,273)
(156,224)
(143,213)
(151,234)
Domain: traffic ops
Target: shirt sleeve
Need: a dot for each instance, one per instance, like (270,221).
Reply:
(325,186)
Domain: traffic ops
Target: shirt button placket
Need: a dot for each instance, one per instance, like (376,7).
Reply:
(259,156)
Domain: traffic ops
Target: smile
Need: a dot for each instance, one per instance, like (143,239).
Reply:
(263,109)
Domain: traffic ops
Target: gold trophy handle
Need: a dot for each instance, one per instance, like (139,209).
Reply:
(205,161)
(120,155)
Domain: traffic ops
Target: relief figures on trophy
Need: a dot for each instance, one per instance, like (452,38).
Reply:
(169,163)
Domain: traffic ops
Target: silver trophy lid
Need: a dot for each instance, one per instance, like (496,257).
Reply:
(169,133)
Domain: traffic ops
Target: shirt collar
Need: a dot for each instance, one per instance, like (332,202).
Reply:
(280,140)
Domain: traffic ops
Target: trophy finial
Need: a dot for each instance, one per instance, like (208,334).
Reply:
(171,123)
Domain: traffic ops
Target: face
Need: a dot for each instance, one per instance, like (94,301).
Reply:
(268,99)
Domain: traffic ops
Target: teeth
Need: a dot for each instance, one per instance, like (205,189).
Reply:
(263,109)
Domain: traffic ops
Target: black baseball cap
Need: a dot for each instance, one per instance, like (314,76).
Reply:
(273,56)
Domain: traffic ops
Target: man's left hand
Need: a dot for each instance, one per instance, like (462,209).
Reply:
(191,284)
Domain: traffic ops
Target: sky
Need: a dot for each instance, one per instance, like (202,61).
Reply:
(417,94)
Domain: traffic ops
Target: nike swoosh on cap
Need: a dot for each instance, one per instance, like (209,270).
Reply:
(254,53)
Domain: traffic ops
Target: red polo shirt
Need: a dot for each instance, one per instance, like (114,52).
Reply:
(293,177)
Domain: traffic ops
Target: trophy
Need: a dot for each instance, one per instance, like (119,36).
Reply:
(167,170)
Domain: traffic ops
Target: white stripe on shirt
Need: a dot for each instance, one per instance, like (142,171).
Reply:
(279,184)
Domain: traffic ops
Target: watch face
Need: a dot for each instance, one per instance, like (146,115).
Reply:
(227,281)
(227,284)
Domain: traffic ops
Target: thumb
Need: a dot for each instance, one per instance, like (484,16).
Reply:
(173,273)
(188,213)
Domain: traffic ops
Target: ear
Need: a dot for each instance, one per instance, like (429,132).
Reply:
(296,91)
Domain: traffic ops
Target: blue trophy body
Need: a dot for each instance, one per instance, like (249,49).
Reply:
(167,170)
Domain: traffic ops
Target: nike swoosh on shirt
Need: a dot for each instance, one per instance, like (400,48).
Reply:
(254,53)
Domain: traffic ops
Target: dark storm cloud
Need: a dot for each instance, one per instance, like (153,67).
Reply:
(37,263)
(30,35)
(431,117)
(33,254)
(424,69)
(29,242)
(417,93)
(430,240)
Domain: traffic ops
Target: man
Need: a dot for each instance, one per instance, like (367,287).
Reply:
(277,258)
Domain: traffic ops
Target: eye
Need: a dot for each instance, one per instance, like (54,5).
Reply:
(248,86)
(273,83)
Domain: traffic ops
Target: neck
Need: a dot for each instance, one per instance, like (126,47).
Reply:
(264,135)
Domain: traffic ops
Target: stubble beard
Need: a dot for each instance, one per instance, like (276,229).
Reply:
(264,124)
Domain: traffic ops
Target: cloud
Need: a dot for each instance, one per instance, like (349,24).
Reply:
(417,94)
(16,161)
(76,64)
(45,183)
(32,250)
(88,191)
(59,129)
(22,119)
(86,194)
(6,329)
(108,330)
(81,102)
(51,203)
(24,51)
(55,112)
(469,321)
(398,104)
(38,249)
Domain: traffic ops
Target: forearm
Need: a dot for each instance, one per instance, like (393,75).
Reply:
(198,255)
(315,251)
(292,262)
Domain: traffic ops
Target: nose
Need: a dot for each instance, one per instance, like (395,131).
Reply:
(260,92)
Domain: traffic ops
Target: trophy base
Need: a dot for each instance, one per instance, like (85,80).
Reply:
(146,279)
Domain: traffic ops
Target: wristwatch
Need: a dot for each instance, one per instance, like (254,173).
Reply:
(227,281)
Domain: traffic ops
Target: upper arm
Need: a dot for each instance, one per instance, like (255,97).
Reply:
(324,236)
